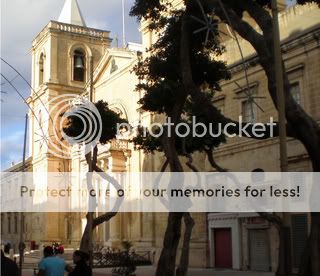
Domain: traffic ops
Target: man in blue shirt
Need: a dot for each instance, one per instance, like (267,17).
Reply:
(51,265)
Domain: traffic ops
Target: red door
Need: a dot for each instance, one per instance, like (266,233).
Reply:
(223,247)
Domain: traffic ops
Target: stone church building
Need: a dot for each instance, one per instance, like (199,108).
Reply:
(67,53)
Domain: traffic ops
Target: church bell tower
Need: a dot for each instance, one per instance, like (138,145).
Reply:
(63,55)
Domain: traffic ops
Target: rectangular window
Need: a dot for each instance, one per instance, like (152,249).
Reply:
(9,224)
(23,223)
(295,92)
(249,111)
(15,224)
(247,101)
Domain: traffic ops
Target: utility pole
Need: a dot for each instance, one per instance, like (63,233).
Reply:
(123,26)
(284,267)
(280,91)
(89,177)
(21,243)
(91,80)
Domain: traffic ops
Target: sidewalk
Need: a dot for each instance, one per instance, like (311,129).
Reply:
(146,271)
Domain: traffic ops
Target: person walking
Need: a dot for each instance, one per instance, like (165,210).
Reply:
(51,265)
(80,259)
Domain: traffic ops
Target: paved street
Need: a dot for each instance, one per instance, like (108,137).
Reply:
(146,271)
(150,270)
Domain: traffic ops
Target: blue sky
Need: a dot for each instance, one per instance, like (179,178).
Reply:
(21,21)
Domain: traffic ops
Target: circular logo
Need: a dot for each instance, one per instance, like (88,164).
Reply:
(73,120)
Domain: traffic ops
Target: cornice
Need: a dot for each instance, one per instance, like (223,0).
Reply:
(288,45)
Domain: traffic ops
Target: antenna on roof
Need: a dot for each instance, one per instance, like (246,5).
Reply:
(123,26)
(117,41)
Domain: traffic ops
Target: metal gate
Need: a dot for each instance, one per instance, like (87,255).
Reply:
(259,250)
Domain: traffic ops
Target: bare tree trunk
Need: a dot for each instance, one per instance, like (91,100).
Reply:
(103,218)
(166,263)
(94,222)
(167,260)
(86,239)
(86,243)
(184,259)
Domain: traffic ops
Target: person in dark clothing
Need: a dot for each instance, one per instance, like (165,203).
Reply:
(8,267)
(80,259)
(7,248)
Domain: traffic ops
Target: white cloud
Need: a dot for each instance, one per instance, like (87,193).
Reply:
(21,21)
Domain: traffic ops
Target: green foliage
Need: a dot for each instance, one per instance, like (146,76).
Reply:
(146,142)
(77,125)
(147,9)
(160,74)
(189,144)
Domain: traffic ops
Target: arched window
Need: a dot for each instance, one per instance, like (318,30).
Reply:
(41,68)
(78,65)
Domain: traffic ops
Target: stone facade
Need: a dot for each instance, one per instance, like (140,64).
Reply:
(300,45)
(11,225)
(52,75)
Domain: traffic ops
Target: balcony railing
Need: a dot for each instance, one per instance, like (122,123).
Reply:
(75,29)
(78,29)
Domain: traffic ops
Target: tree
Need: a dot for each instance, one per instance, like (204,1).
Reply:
(299,124)
(162,81)
(164,93)
(78,125)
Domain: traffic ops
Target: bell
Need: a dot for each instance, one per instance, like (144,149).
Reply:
(79,62)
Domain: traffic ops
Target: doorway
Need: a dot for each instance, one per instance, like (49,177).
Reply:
(259,250)
(223,247)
